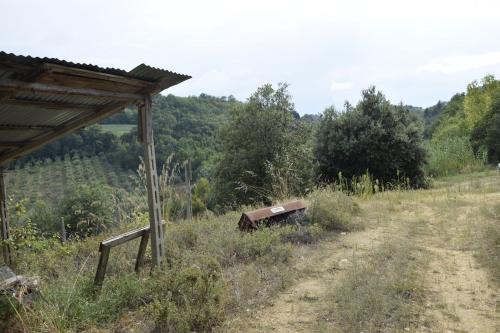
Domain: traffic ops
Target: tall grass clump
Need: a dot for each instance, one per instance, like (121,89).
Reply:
(453,155)
(333,210)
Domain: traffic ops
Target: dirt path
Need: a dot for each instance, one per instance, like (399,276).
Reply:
(459,294)
(297,309)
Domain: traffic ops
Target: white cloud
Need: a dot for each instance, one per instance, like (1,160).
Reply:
(341,85)
(459,64)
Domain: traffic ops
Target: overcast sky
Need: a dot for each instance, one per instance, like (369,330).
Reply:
(417,52)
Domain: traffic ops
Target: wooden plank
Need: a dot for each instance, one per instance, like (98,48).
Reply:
(75,81)
(42,88)
(154,204)
(15,127)
(103,264)
(4,220)
(55,106)
(98,75)
(120,239)
(142,251)
(11,144)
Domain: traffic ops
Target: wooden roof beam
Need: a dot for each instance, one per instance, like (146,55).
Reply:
(12,144)
(10,127)
(46,105)
(42,88)
(97,75)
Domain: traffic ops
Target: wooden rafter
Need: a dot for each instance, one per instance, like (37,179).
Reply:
(43,88)
(97,75)
(12,127)
(46,105)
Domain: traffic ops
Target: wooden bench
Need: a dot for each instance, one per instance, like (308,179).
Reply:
(106,245)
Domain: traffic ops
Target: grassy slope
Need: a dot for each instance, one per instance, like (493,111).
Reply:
(420,265)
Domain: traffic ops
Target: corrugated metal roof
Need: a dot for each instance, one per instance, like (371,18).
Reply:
(141,72)
(45,98)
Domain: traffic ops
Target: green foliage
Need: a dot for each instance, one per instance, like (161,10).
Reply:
(88,209)
(262,146)
(479,99)
(474,120)
(201,196)
(453,154)
(333,210)
(190,299)
(486,133)
(375,137)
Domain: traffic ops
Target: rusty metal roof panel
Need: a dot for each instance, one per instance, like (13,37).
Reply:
(249,220)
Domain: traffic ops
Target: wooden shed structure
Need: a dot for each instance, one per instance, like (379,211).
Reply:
(43,99)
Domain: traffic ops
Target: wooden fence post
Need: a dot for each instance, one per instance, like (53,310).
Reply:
(187,176)
(4,219)
(63,231)
(146,132)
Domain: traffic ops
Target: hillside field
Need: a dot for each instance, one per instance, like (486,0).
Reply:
(47,180)
(403,261)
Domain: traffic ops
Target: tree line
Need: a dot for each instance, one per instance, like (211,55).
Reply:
(262,150)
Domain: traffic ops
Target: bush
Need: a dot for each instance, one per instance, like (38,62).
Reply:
(375,137)
(190,299)
(88,209)
(333,210)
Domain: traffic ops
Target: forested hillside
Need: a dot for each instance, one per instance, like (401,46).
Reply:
(260,149)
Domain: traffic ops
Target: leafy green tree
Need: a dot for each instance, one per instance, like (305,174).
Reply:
(374,136)
(479,99)
(262,147)
(486,133)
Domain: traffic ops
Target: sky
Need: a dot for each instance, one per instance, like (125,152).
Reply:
(415,52)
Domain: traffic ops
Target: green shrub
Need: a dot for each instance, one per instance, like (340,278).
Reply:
(333,210)
(88,209)
(190,299)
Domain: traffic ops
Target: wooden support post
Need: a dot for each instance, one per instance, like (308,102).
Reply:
(63,231)
(146,123)
(5,219)
(103,264)
(187,176)
(142,251)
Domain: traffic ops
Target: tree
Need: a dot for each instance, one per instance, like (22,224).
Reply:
(88,209)
(261,149)
(375,137)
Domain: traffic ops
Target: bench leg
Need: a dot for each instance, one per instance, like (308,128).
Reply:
(101,268)
(142,250)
